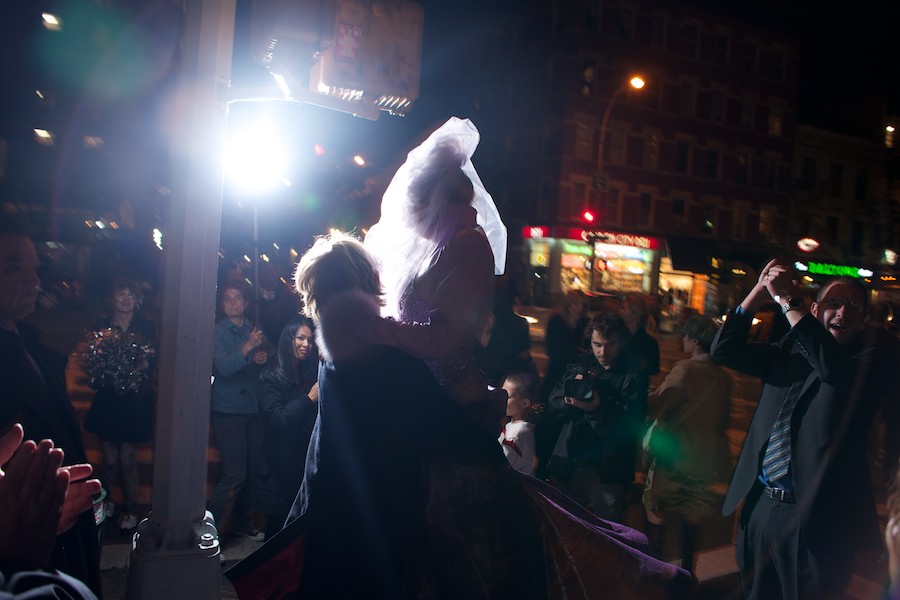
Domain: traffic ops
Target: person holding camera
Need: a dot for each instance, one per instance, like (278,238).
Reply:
(602,403)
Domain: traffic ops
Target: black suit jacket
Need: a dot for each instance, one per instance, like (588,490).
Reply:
(841,389)
(38,400)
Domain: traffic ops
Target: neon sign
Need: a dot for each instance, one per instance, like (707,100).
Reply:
(837,270)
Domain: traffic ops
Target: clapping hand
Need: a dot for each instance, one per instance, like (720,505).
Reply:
(37,498)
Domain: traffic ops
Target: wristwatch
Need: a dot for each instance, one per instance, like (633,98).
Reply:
(788,303)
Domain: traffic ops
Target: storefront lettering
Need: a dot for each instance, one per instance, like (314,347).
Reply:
(833,270)
(626,239)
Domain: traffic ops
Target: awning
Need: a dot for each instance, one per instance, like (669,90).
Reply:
(696,254)
(690,254)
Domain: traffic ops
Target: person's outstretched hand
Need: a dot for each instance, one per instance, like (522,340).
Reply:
(79,496)
(32,493)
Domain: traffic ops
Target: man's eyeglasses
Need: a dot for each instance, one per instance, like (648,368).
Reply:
(836,303)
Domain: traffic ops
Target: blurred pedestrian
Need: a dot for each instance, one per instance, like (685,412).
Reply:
(635,314)
(238,356)
(564,342)
(688,444)
(33,393)
(809,508)
(288,397)
(564,337)
(522,406)
(507,349)
(276,303)
(122,410)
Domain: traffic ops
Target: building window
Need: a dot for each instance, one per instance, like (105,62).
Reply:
(678,210)
(548,198)
(775,125)
(856,242)
(690,41)
(592,17)
(746,110)
(644,210)
(742,174)
(588,73)
(721,55)
(836,181)
(651,152)
(687,100)
(861,190)
(771,170)
(579,200)
(750,52)
(626,23)
(778,65)
(584,140)
(611,214)
(808,176)
(657,32)
(708,225)
(717,107)
(682,151)
(768,217)
(712,164)
(831,225)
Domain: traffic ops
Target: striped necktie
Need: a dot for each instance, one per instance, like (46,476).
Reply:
(777,457)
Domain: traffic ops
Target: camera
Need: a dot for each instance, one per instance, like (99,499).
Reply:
(581,389)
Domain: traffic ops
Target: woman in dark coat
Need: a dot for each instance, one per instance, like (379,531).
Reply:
(288,394)
(121,412)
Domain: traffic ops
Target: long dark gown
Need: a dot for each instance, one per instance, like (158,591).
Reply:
(404,498)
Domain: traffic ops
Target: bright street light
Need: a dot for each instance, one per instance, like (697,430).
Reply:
(637,82)
(256,158)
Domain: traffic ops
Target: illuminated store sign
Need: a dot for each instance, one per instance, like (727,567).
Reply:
(835,270)
(607,237)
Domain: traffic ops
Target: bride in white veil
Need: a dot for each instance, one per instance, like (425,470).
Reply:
(439,244)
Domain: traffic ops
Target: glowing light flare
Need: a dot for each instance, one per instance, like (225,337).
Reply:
(256,158)
(807,244)
(588,216)
(44,137)
(51,22)
(637,82)
(359,161)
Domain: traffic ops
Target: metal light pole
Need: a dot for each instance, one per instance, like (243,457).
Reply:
(175,554)
(600,177)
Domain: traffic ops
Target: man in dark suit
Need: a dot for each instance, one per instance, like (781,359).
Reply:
(33,393)
(809,509)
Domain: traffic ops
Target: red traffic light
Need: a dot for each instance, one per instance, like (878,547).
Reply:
(588,216)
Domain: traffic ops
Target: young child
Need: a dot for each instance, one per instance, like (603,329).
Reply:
(517,438)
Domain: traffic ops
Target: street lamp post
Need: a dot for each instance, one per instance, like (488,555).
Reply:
(600,177)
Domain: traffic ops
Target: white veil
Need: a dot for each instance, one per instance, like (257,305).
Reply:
(395,241)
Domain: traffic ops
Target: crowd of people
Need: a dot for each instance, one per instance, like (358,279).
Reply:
(400,441)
